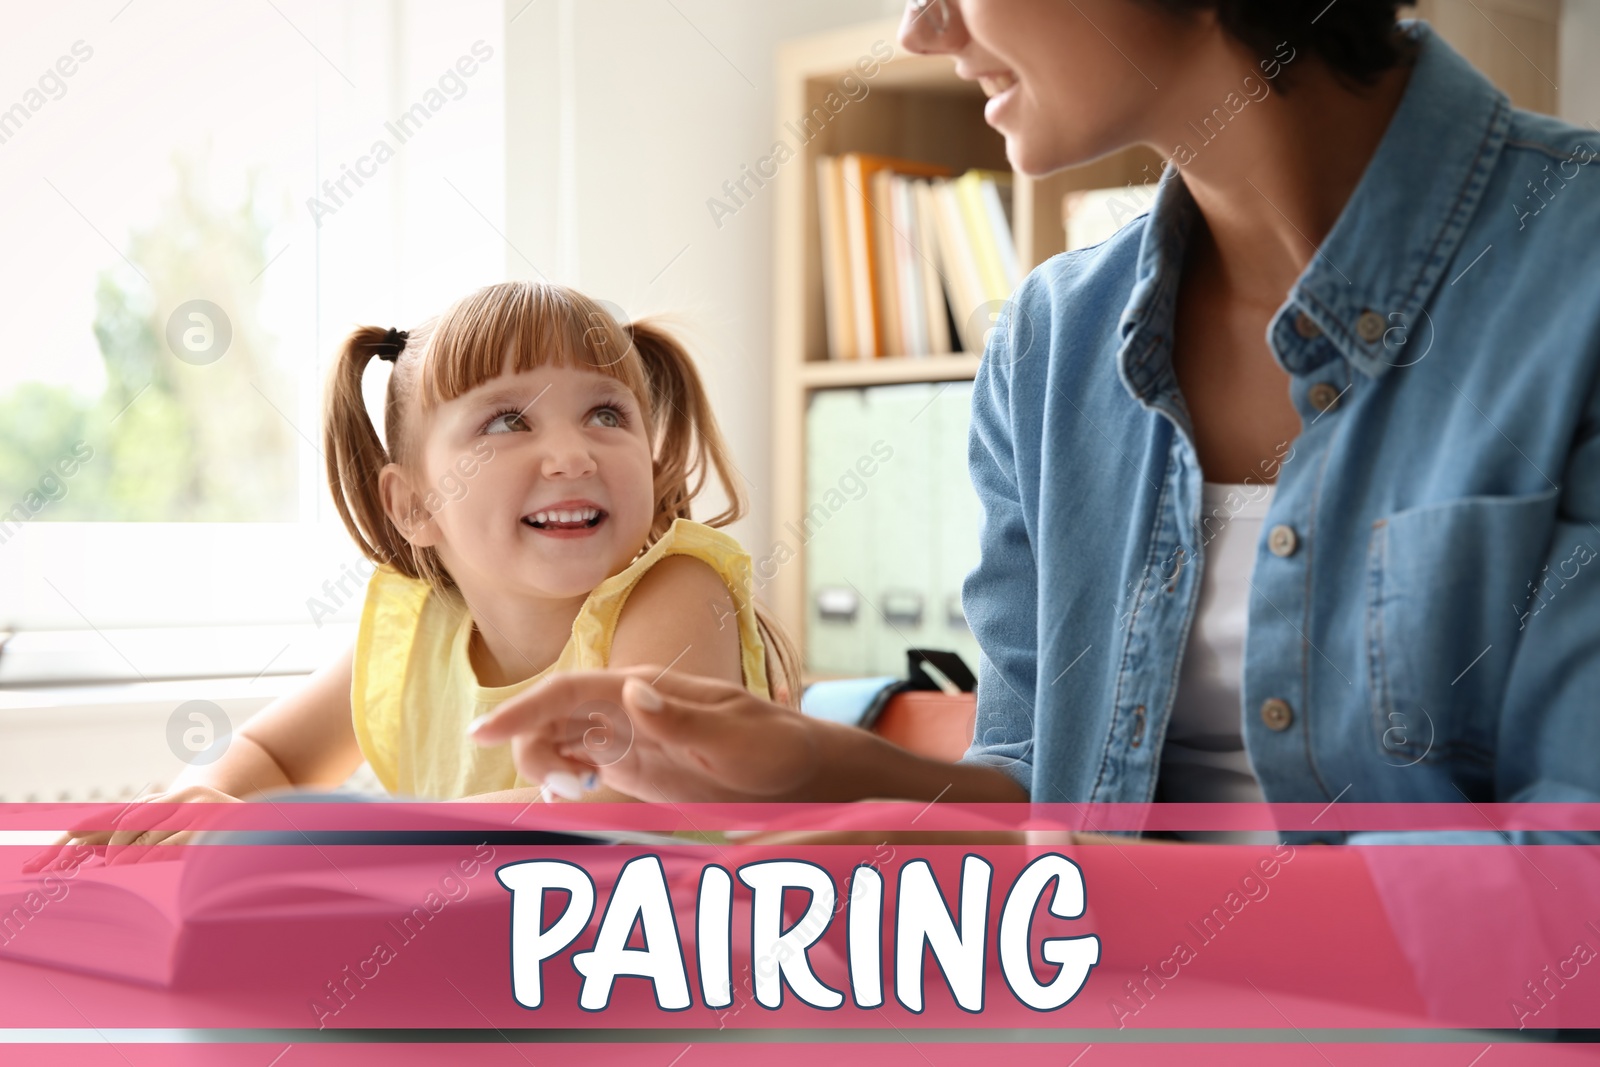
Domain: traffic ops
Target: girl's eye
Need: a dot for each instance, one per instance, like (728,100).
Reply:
(506,422)
(611,416)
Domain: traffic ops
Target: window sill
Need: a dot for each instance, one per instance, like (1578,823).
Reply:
(76,658)
(86,743)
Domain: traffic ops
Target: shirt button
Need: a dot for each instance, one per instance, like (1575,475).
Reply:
(1370,326)
(1306,326)
(1323,396)
(1277,714)
(1282,541)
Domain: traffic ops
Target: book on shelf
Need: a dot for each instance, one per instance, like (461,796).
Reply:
(928,281)
(958,262)
(911,255)
(836,289)
(988,228)
(891,332)
(866,224)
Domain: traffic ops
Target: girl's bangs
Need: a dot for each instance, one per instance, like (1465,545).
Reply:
(521,326)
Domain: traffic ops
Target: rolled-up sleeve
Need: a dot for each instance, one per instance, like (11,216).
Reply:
(1000,596)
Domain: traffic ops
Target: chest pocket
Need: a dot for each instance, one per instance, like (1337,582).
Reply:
(1448,592)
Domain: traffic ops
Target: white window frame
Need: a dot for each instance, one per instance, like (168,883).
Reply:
(104,602)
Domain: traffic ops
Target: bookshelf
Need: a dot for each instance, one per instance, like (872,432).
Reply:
(894,370)
(914,107)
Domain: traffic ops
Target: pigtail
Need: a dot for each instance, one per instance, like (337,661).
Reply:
(355,456)
(688,449)
(783,660)
(688,445)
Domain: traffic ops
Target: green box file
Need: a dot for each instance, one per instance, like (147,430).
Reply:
(905,506)
(892,527)
(956,532)
(837,535)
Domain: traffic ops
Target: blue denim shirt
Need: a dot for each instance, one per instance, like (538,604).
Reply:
(1424,608)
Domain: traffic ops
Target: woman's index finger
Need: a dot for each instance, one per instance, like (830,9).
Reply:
(548,702)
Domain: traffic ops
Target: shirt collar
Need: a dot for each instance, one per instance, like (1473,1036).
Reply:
(1392,243)
(1401,229)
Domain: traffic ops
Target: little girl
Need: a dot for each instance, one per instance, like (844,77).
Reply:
(529,511)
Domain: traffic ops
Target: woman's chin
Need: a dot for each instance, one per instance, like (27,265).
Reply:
(1038,153)
(1029,157)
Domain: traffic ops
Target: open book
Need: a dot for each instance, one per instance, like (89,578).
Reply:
(142,921)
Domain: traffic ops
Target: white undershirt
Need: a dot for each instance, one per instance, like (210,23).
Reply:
(1203,758)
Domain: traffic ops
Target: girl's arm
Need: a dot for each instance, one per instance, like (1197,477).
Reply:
(305,738)
(680,614)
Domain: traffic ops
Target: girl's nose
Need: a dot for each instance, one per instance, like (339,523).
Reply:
(567,455)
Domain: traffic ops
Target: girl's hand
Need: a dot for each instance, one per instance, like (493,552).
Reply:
(676,738)
(142,822)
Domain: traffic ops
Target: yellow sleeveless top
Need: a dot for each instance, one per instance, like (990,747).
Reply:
(414,690)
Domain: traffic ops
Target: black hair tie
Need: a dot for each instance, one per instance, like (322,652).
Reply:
(393,343)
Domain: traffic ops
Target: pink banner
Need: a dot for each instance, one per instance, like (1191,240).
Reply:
(901,1052)
(1333,818)
(931,927)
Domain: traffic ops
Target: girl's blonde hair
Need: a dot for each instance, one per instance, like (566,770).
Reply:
(519,326)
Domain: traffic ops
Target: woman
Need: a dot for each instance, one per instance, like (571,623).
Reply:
(1289,488)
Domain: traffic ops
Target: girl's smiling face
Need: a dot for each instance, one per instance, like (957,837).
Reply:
(538,483)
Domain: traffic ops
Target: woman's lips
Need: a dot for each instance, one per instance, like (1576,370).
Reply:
(996,83)
(1000,88)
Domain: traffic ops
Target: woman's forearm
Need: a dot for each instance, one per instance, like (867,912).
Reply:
(853,764)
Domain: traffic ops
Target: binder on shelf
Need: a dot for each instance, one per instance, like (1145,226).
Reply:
(955,538)
(837,534)
(905,511)
(886,553)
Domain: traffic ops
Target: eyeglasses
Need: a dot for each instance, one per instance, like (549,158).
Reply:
(938,9)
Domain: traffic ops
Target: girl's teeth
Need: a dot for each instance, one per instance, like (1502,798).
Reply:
(566,516)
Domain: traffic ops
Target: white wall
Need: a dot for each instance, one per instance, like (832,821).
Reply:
(624,117)
(1580,62)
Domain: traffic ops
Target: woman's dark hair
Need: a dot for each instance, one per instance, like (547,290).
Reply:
(1355,38)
